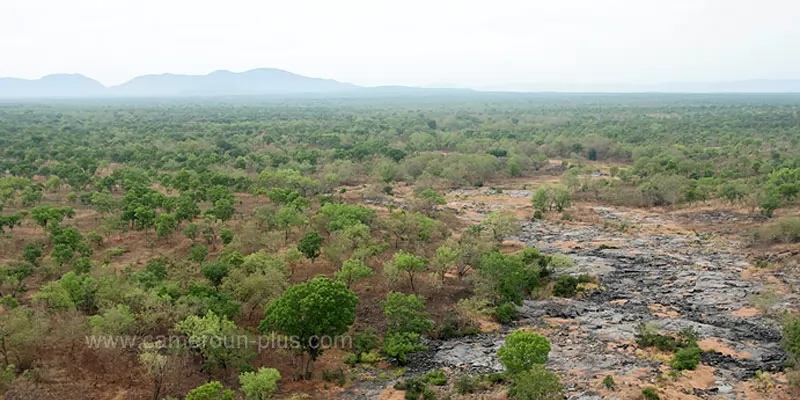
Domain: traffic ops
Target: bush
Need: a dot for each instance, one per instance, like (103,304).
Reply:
(523,350)
(646,336)
(436,378)
(791,338)
(399,345)
(609,383)
(415,389)
(335,376)
(650,393)
(454,325)
(364,342)
(536,384)
(505,313)
(465,385)
(259,385)
(786,230)
(566,286)
(686,358)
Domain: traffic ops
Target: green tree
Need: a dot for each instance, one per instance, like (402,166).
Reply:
(501,225)
(191,231)
(562,199)
(210,391)
(523,350)
(165,225)
(443,260)
(33,252)
(410,264)
(541,200)
(215,272)
(155,365)
(536,383)
(310,245)
(211,336)
(226,235)
(198,254)
(289,217)
(309,311)
(352,271)
(259,385)
(406,313)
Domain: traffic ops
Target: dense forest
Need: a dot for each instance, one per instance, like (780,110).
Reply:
(313,218)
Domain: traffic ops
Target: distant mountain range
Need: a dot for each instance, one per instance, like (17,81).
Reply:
(270,81)
(263,81)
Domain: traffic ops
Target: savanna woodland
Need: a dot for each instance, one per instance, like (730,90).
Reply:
(481,246)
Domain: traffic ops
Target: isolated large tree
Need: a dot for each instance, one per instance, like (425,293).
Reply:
(312,312)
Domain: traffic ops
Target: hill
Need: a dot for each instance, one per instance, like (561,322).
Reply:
(254,82)
(59,85)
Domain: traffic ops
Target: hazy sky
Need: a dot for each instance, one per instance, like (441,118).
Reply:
(409,42)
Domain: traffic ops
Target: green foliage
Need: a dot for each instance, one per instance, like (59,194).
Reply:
(501,225)
(536,383)
(650,393)
(191,231)
(436,377)
(310,245)
(340,215)
(410,264)
(416,389)
(686,358)
(398,345)
(364,342)
(210,391)
(198,253)
(217,340)
(165,225)
(259,385)
(310,310)
(226,235)
(352,271)
(791,338)
(406,313)
(505,313)
(117,320)
(215,272)
(522,350)
(784,230)
(608,382)
(33,252)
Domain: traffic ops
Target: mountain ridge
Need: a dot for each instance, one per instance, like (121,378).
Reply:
(273,81)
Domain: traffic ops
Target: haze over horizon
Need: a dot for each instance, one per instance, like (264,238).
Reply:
(506,44)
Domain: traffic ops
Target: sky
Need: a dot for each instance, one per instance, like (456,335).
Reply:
(466,43)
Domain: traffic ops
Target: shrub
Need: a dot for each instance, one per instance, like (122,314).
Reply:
(791,338)
(522,350)
(609,383)
(650,393)
(646,336)
(785,230)
(566,286)
(465,385)
(436,378)
(536,384)
(335,376)
(259,385)
(454,325)
(415,389)
(505,313)
(210,391)
(399,345)
(686,358)
(364,342)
